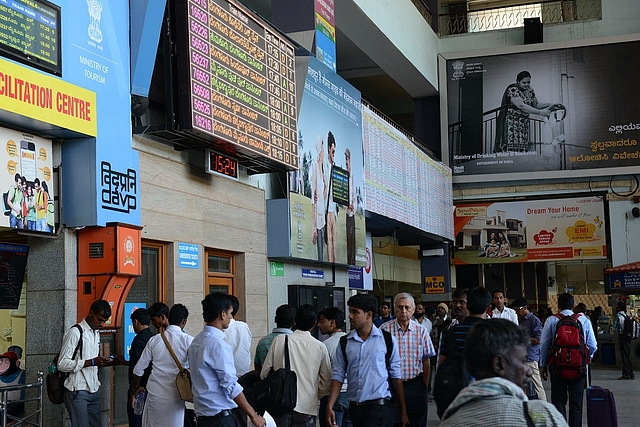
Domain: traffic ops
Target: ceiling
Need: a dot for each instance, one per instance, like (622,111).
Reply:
(357,67)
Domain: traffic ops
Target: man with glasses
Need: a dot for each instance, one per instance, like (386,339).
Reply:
(533,327)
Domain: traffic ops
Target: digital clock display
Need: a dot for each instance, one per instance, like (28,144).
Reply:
(224,165)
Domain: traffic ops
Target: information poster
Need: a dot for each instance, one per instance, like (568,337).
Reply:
(327,198)
(26,182)
(536,230)
(553,111)
(129,332)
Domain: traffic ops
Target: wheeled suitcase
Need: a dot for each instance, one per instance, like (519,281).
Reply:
(601,408)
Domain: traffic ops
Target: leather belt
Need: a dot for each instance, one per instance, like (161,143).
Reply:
(414,379)
(221,414)
(381,402)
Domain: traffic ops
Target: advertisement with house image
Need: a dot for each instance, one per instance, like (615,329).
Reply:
(524,231)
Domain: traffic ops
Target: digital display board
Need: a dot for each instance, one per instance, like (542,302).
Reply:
(30,33)
(242,80)
(13,261)
(402,182)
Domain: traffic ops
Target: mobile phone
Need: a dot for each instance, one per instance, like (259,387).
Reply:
(28,160)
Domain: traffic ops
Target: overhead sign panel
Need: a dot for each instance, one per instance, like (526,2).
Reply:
(241,80)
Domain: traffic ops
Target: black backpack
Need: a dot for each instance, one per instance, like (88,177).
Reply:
(451,376)
(277,393)
(631,328)
(55,381)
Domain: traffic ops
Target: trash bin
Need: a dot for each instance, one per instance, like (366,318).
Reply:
(608,353)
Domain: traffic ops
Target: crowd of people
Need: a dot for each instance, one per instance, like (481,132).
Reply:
(384,372)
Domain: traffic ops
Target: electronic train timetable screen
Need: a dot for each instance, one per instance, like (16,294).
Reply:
(30,33)
(242,80)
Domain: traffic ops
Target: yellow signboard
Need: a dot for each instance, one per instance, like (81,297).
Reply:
(47,99)
(434,285)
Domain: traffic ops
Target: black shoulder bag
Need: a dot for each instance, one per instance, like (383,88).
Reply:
(278,392)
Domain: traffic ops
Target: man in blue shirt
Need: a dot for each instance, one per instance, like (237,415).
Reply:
(533,327)
(365,366)
(385,314)
(216,391)
(559,386)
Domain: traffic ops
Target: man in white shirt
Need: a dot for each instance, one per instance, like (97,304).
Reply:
(309,360)
(238,335)
(422,317)
(331,322)
(502,311)
(82,388)
(164,406)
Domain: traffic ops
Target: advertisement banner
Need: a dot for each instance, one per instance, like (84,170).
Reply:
(129,332)
(527,231)
(327,197)
(553,111)
(26,182)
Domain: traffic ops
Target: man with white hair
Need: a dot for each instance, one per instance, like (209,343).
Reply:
(415,349)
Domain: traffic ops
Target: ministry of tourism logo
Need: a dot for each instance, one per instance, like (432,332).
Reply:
(458,66)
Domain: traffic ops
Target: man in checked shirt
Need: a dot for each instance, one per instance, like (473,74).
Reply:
(415,349)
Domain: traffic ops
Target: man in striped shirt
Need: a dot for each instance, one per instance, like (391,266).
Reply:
(415,349)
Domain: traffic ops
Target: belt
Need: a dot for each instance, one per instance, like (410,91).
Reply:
(414,379)
(221,414)
(382,402)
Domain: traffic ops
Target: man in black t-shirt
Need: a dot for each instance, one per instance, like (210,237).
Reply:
(141,320)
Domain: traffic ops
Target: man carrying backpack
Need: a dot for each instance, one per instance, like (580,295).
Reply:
(564,360)
(371,371)
(451,376)
(623,325)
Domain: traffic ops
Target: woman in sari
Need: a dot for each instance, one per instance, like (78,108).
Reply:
(512,124)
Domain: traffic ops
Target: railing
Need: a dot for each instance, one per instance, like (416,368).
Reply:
(489,119)
(32,419)
(424,11)
(462,18)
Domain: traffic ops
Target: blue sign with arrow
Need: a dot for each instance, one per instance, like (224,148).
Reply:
(188,255)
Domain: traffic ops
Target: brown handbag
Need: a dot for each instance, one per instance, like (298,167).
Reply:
(183,379)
